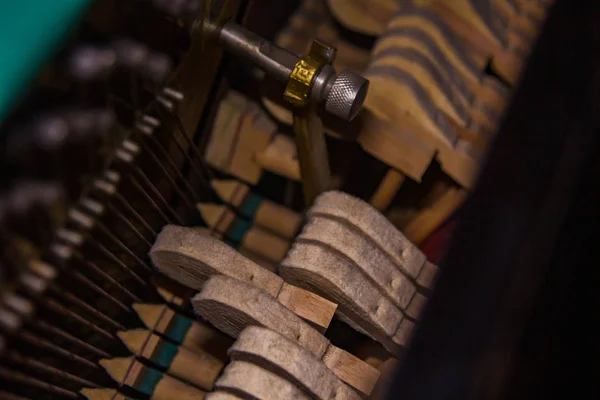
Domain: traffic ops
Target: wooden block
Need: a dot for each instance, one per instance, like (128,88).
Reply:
(152,383)
(191,257)
(192,335)
(222,396)
(394,95)
(264,213)
(364,255)
(200,369)
(368,17)
(360,304)
(428,220)
(307,305)
(257,383)
(411,68)
(101,394)
(286,358)
(460,166)
(241,129)
(242,232)
(351,369)
(265,243)
(280,157)
(396,145)
(387,190)
(424,23)
(361,216)
(231,305)
(483,16)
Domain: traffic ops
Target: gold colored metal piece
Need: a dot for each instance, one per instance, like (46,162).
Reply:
(304,73)
(322,53)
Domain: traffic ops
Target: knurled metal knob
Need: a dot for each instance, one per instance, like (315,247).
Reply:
(347,95)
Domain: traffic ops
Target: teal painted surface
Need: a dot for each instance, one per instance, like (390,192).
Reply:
(248,209)
(179,328)
(149,381)
(30,30)
(239,229)
(165,354)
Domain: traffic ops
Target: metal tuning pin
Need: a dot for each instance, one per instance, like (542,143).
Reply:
(138,57)
(311,84)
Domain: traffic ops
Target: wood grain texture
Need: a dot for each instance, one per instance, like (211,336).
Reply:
(191,257)
(404,61)
(374,226)
(396,145)
(286,358)
(312,308)
(198,368)
(99,394)
(267,214)
(280,157)
(240,230)
(241,129)
(265,243)
(350,369)
(231,305)
(417,39)
(424,22)
(394,95)
(130,372)
(255,382)
(368,17)
(195,336)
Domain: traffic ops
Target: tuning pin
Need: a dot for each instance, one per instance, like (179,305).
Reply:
(88,62)
(138,57)
(33,210)
(173,94)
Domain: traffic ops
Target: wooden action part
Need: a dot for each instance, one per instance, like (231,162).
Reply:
(363,217)
(232,305)
(101,394)
(367,258)
(241,129)
(192,335)
(265,213)
(241,232)
(286,358)
(130,372)
(360,304)
(190,257)
(193,367)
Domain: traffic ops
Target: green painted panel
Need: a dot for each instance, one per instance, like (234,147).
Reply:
(30,30)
